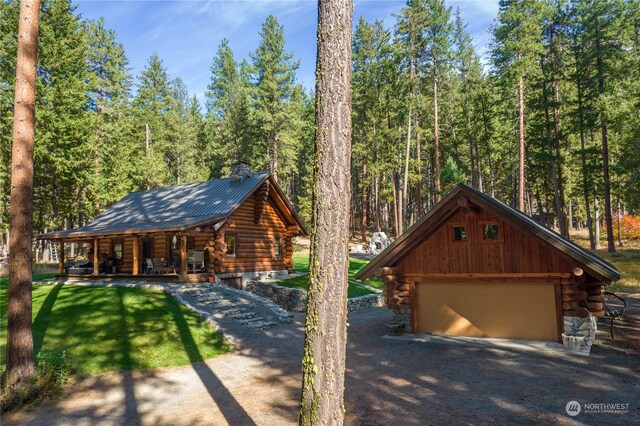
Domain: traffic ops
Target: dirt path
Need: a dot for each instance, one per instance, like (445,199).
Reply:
(388,382)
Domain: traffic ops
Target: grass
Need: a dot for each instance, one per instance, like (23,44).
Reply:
(36,277)
(104,329)
(626,259)
(301,264)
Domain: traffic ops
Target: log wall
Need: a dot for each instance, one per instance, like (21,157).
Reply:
(256,238)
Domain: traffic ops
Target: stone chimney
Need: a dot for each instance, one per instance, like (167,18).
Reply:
(239,170)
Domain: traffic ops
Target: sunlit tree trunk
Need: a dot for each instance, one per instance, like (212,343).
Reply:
(20,362)
(323,361)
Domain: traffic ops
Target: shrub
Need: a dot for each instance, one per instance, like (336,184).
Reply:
(52,373)
(630,227)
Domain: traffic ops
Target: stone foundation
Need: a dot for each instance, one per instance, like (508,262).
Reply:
(404,316)
(580,328)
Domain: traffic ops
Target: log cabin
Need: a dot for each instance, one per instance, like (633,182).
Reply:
(233,228)
(473,266)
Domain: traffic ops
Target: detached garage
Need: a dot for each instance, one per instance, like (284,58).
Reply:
(473,266)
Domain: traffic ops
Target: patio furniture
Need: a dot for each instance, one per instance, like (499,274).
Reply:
(148,266)
(614,307)
(196,259)
(159,266)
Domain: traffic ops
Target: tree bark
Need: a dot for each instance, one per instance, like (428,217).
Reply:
(20,363)
(365,200)
(583,156)
(521,176)
(323,362)
(611,247)
(554,176)
(436,140)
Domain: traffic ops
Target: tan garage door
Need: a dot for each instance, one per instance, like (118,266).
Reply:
(516,311)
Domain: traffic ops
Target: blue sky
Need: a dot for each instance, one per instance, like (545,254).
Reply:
(186,34)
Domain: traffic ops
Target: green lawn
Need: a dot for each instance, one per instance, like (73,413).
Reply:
(301,264)
(103,329)
(36,277)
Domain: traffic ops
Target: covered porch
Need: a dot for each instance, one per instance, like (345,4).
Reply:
(184,256)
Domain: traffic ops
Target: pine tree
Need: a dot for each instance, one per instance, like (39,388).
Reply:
(109,91)
(516,52)
(274,79)
(152,104)
(436,61)
(228,111)
(62,149)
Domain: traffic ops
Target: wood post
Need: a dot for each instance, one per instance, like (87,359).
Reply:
(183,254)
(61,257)
(96,261)
(136,255)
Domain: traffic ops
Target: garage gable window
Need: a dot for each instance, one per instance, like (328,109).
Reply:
(491,231)
(459,233)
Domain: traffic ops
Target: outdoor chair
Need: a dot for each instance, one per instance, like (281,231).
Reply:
(158,266)
(614,307)
(148,266)
(196,259)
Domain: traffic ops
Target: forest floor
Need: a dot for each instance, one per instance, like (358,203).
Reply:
(626,259)
(387,382)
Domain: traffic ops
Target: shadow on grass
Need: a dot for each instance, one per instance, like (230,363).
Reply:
(233,412)
(131,415)
(43,317)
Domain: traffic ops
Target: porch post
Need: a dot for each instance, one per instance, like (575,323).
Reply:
(61,257)
(183,254)
(96,262)
(136,254)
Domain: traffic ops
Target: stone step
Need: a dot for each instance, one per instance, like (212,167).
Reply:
(243,315)
(230,312)
(250,320)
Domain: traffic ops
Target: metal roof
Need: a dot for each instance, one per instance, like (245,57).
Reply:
(173,207)
(584,257)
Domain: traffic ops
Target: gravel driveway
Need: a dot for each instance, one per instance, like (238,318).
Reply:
(388,382)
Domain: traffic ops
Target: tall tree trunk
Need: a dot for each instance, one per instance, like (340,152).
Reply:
(583,156)
(619,224)
(611,247)
(323,363)
(521,175)
(20,362)
(596,218)
(555,101)
(554,176)
(436,139)
(419,185)
(405,192)
(396,219)
(365,200)
(274,163)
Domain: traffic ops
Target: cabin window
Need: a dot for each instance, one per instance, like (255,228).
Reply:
(191,243)
(117,247)
(277,247)
(491,232)
(231,240)
(459,233)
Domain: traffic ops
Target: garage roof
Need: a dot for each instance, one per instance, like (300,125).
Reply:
(405,243)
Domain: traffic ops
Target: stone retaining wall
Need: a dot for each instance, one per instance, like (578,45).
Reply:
(574,325)
(295,300)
